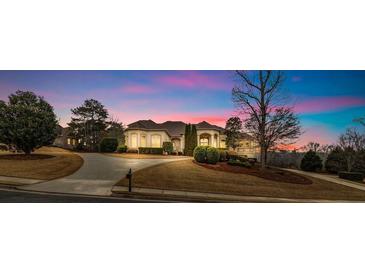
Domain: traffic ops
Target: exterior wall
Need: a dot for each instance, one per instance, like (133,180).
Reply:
(148,138)
(215,138)
(248,148)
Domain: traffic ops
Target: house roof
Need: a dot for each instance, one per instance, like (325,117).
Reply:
(173,128)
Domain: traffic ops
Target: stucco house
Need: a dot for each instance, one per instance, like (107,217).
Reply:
(248,147)
(64,139)
(147,133)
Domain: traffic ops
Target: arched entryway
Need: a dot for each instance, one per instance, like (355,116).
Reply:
(176,142)
(204,139)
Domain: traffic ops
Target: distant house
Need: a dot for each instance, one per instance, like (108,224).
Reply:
(147,133)
(247,146)
(63,139)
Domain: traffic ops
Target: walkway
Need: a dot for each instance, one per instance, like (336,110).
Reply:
(330,178)
(97,175)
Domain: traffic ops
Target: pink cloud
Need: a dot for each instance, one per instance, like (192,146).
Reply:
(322,104)
(137,89)
(191,79)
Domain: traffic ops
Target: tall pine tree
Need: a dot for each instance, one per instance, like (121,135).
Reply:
(187,139)
(193,138)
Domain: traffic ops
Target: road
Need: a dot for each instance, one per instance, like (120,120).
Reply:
(18,196)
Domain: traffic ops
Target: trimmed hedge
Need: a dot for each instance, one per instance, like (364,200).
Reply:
(200,154)
(352,176)
(223,155)
(108,144)
(239,163)
(168,147)
(122,148)
(212,155)
(150,150)
(311,162)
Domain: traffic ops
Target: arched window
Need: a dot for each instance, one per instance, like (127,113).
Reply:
(143,141)
(134,142)
(155,140)
(204,141)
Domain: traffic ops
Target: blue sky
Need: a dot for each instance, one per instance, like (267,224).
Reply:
(326,101)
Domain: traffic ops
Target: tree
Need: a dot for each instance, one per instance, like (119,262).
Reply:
(336,161)
(259,98)
(89,123)
(27,121)
(351,143)
(232,131)
(311,161)
(191,139)
(312,146)
(115,129)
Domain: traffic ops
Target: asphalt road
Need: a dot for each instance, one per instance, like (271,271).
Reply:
(16,196)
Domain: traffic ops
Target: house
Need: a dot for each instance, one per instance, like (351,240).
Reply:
(63,139)
(247,146)
(147,133)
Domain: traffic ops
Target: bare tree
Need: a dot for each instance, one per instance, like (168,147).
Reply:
(258,95)
(351,143)
(312,146)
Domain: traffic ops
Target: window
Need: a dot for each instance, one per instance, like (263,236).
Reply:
(143,141)
(134,142)
(204,141)
(68,141)
(223,144)
(156,141)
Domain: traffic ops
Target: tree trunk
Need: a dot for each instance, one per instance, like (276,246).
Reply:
(262,157)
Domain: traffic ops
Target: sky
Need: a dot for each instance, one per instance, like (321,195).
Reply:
(325,101)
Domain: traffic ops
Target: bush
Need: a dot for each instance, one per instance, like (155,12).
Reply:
(150,150)
(122,149)
(352,176)
(108,144)
(239,163)
(212,155)
(335,161)
(223,155)
(168,147)
(4,147)
(311,162)
(80,147)
(200,154)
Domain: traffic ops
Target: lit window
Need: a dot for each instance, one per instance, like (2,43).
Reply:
(204,141)
(156,141)
(134,140)
(68,141)
(143,141)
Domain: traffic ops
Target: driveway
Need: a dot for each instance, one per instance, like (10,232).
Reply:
(97,175)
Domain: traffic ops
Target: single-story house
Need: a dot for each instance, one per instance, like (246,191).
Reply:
(63,139)
(147,133)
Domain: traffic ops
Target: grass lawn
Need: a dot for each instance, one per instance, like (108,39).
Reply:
(188,176)
(48,163)
(141,156)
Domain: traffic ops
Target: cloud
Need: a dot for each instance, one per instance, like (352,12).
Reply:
(193,79)
(134,88)
(324,104)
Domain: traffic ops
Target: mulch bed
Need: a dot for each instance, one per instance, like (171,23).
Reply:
(272,174)
(25,157)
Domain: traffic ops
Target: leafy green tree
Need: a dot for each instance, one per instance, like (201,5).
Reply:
(232,131)
(336,161)
(115,129)
(27,121)
(311,162)
(89,123)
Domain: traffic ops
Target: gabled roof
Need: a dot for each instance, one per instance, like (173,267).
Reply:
(173,128)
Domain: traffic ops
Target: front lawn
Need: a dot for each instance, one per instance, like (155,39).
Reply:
(47,163)
(188,176)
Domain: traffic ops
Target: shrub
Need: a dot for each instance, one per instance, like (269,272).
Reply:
(80,147)
(168,147)
(223,155)
(352,176)
(239,163)
(150,150)
(212,155)
(122,148)
(4,147)
(200,154)
(335,161)
(108,144)
(311,162)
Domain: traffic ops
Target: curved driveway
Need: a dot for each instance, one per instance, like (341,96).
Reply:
(97,175)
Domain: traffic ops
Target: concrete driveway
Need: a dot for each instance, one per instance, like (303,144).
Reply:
(97,175)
